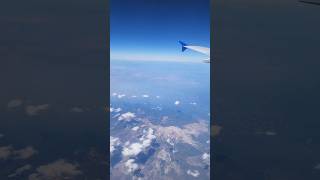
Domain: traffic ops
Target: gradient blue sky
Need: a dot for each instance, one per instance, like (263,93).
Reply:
(150,29)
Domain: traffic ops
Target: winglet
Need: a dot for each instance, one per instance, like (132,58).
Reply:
(183,45)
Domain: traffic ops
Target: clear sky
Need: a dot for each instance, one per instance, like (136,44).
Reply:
(150,29)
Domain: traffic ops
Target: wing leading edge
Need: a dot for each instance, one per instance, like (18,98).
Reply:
(200,49)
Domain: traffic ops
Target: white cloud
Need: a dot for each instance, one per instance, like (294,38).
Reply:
(150,134)
(133,150)
(133,96)
(177,103)
(157,108)
(194,173)
(193,103)
(20,170)
(135,128)
(7,152)
(25,153)
(170,141)
(114,94)
(131,165)
(145,141)
(121,96)
(128,116)
(116,115)
(32,110)
(145,95)
(206,158)
(59,169)
(127,143)
(117,110)
(147,138)
(14,103)
(157,97)
(114,142)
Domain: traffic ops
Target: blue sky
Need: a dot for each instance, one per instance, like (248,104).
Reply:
(150,29)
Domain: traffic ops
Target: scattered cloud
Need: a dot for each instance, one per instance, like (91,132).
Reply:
(147,138)
(127,143)
(133,150)
(177,103)
(157,108)
(145,95)
(131,165)
(20,170)
(137,147)
(170,141)
(193,103)
(121,96)
(116,115)
(25,153)
(206,158)
(7,152)
(117,110)
(14,103)
(194,173)
(128,116)
(113,143)
(135,128)
(33,110)
(59,169)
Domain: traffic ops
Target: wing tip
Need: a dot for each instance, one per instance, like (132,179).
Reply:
(183,48)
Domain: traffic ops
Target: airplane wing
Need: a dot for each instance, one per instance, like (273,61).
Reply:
(200,49)
(310,2)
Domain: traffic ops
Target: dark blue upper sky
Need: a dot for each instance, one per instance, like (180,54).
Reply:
(150,29)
